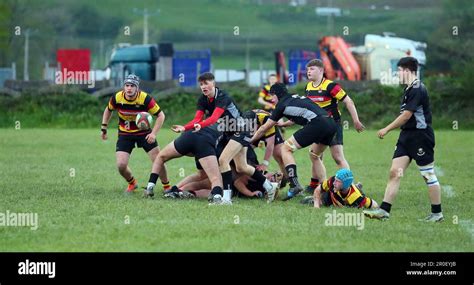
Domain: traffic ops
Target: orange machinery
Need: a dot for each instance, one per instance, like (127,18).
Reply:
(339,63)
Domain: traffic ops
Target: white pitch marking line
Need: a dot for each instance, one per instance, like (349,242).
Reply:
(439,171)
(448,191)
(468,226)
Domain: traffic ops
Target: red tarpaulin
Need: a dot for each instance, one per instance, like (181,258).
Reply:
(74,64)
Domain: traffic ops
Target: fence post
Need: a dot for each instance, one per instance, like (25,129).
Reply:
(59,69)
(121,76)
(45,70)
(158,70)
(198,72)
(13,70)
(298,70)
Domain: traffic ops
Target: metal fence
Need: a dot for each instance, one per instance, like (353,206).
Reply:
(7,73)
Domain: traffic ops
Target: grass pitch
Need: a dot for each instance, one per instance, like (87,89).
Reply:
(68,177)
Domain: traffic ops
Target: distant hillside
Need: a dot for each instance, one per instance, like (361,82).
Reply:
(228,27)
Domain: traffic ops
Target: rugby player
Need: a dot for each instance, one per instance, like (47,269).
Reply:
(327,94)
(415,142)
(318,128)
(128,103)
(264,97)
(220,106)
(340,191)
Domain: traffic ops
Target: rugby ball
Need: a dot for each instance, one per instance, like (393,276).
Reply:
(144,121)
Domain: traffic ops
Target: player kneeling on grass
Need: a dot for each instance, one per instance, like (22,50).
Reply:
(318,127)
(200,144)
(236,151)
(198,184)
(246,186)
(222,109)
(339,191)
(128,103)
(416,141)
(273,141)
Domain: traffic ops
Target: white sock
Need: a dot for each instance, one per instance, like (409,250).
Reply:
(150,186)
(227,195)
(267,185)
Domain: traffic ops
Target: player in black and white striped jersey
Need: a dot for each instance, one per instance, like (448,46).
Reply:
(318,127)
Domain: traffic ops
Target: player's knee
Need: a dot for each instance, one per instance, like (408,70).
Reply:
(224,167)
(241,168)
(340,160)
(396,173)
(314,156)
(223,161)
(278,158)
(153,154)
(202,174)
(289,146)
(163,157)
(121,166)
(428,174)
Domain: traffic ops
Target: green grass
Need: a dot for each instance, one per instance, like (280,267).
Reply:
(221,62)
(89,212)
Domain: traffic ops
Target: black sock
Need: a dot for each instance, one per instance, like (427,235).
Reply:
(131,179)
(292,175)
(435,208)
(227,180)
(386,206)
(259,177)
(217,190)
(153,178)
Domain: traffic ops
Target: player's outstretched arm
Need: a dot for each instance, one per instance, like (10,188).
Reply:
(262,130)
(241,185)
(197,118)
(105,122)
(317,197)
(216,114)
(151,137)
(285,124)
(268,152)
(178,128)
(397,123)
(353,111)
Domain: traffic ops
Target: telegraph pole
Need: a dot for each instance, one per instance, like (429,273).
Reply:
(26,76)
(145,14)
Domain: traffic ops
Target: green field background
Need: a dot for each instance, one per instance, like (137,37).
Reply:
(89,211)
